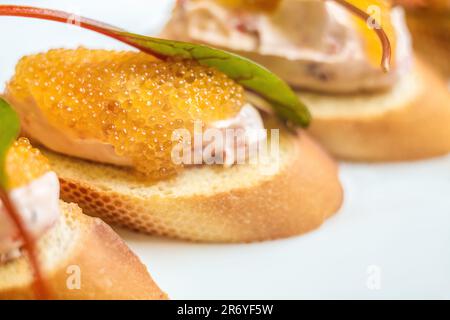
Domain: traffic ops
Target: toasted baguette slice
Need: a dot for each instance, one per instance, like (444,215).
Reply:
(107,268)
(244,203)
(430,30)
(411,121)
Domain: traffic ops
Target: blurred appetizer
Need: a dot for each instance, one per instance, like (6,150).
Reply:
(429,22)
(72,256)
(109,119)
(323,49)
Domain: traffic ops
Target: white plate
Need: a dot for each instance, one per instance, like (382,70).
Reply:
(390,240)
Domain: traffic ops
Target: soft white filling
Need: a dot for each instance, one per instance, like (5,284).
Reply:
(310,44)
(37,203)
(247,131)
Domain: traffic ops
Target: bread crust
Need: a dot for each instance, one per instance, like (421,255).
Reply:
(418,129)
(295,200)
(108,269)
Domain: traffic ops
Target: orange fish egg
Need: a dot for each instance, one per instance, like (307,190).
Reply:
(24,164)
(130,100)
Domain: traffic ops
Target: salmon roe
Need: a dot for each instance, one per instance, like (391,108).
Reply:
(130,100)
(24,164)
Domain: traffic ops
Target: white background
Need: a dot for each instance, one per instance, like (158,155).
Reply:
(396,217)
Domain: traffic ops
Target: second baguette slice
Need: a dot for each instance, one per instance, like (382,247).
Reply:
(411,121)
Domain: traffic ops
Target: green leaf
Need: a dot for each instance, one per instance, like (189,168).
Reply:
(247,73)
(9,131)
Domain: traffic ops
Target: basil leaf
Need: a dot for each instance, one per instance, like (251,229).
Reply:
(9,131)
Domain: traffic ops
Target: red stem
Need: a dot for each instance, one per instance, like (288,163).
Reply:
(40,290)
(385,43)
(115,33)
(65,17)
